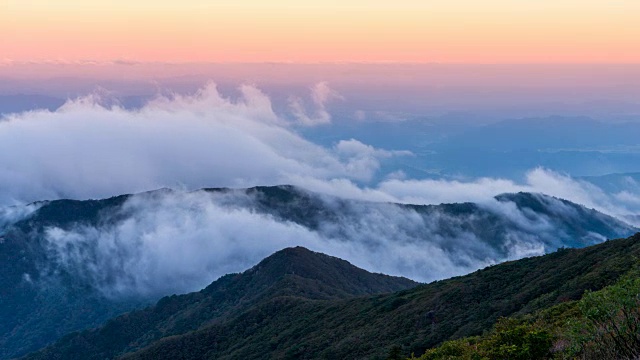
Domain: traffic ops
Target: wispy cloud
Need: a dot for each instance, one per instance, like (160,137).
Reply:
(321,94)
(176,241)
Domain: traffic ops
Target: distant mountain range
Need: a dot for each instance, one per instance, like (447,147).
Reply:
(616,183)
(475,147)
(16,103)
(68,266)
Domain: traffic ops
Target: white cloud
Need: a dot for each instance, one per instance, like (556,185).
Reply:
(482,190)
(175,241)
(12,214)
(88,150)
(445,191)
(321,94)
(628,197)
(92,149)
(363,159)
(179,242)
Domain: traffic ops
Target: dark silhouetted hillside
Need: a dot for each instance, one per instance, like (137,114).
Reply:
(296,318)
(294,274)
(43,296)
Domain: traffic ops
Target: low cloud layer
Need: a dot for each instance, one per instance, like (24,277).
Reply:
(537,180)
(91,148)
(174,241)
(12,214)
(181,242)
(87,150)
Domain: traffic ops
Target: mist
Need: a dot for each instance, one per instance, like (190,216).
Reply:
(175,242)
(93,148)
(181,240)
(87,149)
(167,242)
(11,214)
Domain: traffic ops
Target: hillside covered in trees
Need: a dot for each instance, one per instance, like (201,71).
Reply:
(71,265)
(299,314)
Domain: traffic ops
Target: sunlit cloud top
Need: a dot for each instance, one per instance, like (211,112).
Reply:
(459,31)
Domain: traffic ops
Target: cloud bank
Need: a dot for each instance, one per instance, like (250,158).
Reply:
(87,149)
(174,241)
(91,148)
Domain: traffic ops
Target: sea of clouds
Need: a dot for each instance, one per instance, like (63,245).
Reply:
(182,240)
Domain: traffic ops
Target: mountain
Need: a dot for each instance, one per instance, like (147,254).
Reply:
(21,102)
(70,265)
(554,132)
(38,301)
(574,145)
(616,183)
(289,319)
(288,275)
(485,146)
(553,222)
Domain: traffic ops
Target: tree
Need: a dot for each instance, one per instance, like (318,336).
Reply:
(610,328)
(512,340)
(395,353)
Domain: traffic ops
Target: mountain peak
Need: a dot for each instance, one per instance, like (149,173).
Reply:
(226,324)
(292,273)
(325,276)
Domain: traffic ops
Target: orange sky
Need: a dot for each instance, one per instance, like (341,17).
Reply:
(456,31)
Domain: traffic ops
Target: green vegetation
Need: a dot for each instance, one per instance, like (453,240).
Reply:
(609,325)
(286,277)
(38,302)
(604,324)
(527,309)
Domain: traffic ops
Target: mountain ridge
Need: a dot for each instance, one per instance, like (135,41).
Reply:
(41,288)
(366,327)
(292,272)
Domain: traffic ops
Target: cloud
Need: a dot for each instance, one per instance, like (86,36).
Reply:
(171,242)
(176,241)
(321,94)
(363,159)
(482,190)
(566,187)
(446,191)
(12,214)
(627,197)
(91,148)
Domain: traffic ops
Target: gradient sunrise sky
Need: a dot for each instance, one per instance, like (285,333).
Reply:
(445,31)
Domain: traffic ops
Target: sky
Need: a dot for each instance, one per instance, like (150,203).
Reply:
(507,79)
(405,31)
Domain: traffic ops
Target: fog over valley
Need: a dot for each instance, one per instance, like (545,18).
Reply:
(180,240)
